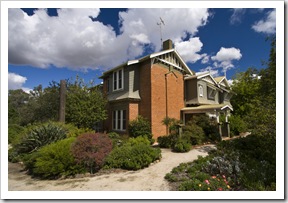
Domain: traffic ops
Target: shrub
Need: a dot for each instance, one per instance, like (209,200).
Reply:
(133,155)
(209,126)
(237,125)
(40,136)
(14,132)
(193,133)
(91,150)
(181,145)
(56,160)
(140,127)
(164,141)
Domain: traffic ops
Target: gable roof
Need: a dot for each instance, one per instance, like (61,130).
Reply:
(222,81)
(156,55)
(204,76)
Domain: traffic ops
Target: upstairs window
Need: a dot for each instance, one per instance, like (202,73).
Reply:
(200,87)
(211,93)
(118,79)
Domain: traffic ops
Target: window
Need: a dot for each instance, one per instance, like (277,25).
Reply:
(118,78)
(211,93)
(119,120)
(200,90)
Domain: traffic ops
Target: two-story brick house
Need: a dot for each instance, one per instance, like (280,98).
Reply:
(160,85)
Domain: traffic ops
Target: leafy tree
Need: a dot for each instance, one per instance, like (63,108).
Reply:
(17,106)
(85,104)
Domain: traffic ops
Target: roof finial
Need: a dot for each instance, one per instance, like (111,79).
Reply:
(161,23)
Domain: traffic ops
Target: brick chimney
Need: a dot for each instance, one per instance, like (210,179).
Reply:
(167,44)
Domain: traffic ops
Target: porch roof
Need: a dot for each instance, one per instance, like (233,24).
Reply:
(207,108)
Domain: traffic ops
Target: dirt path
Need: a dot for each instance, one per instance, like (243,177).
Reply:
(148,179)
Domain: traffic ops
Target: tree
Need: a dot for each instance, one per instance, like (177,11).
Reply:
(85,104)
(255,99)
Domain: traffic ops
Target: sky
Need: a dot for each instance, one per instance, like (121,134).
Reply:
(51,44)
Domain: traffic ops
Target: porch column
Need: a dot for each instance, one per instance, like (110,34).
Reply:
(219,124)
(227,126)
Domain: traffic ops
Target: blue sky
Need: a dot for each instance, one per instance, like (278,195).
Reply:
(54,44)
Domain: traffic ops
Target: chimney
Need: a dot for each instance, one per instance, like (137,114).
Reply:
(167,44)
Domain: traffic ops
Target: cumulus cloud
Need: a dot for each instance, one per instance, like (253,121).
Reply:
(237,15)
(73,40)
(189,49)
(268,25)
(205,59)
(225,56)
(213,71)
(16,81)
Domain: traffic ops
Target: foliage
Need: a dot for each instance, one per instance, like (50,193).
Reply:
(237,125)
(133,155)
(90,150)
(164,141)
(240,164)
(171,124)
(209,126)
(14,132)
(140,127)
(56,160)
(181,145)
(85,104)
(39,136)
(193,133)
(18,107)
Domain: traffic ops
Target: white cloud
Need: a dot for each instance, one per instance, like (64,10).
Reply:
(16,81)
(237,15)
(225,56)
(214,72)
(205,59)
(189,49)
(73,40)
(268,25)
(230,81)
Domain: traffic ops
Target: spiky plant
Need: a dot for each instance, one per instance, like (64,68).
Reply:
(41,136)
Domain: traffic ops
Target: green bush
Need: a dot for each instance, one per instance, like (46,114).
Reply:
(14,133)
(181,145)
(193,133)
(133,155)
(56,160)
(91,150)
(164,141)
(209,126)
(241,164)
(40,136)
(140,127)
(237,125)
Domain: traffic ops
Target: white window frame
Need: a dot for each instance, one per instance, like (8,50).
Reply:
(116,119)
(200,87)
(116,73)
(211,94)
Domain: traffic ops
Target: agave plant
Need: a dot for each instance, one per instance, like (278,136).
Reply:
(40,136)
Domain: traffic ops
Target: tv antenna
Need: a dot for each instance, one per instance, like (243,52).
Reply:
(160,25)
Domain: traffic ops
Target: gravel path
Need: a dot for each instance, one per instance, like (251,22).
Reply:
(148,179)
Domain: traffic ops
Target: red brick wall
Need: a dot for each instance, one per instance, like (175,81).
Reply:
(133,111)
(145,90)
(175,97)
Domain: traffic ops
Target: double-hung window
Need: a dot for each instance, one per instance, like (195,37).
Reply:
(118,79)
(119,120)
(211,93)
